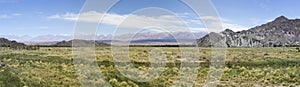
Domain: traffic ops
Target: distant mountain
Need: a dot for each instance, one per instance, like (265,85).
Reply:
(161,40)
(69,43)
(19,38)
(156,38)
(41,38)
(143,36)
(46,43)
(51,38)
(160,36)
(6,42)
(280,32)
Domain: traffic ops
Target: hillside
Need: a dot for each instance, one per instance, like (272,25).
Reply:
(5,42)
(280,32)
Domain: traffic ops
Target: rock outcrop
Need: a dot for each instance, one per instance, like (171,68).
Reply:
(280,32)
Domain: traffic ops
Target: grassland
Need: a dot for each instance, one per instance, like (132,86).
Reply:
(53,66)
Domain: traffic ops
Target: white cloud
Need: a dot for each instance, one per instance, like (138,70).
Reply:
(139,21)
(234,27)
(226,23)
(91,16)
(16,14)
(214,23)
(134,21)
(210,18)
(6,16)
(199,29)
(54,16)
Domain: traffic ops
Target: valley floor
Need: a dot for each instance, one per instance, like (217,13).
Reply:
(246,67)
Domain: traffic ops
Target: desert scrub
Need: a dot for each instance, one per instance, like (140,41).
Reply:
(53,66)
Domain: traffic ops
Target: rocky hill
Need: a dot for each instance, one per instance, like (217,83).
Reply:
(5,43)
(69,43)
(280,32)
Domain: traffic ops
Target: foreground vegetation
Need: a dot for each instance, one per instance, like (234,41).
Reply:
(53,66)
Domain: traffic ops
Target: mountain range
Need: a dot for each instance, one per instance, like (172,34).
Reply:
(139,38)
(279,32)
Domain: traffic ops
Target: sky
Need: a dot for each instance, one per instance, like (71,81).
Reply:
(58,17)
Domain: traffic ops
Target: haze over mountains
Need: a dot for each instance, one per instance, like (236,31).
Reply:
(280,32)
(143,38)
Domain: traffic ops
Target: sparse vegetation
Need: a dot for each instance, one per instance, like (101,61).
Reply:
(53,66)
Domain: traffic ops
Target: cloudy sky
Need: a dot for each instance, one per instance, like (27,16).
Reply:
(57,17)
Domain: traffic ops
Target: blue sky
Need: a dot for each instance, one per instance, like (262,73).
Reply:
(55,17)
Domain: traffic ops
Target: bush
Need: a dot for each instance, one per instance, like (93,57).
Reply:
(32,48)
(298,49)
